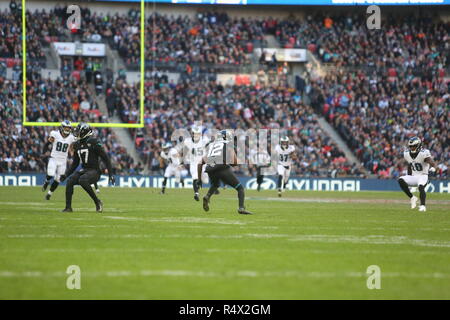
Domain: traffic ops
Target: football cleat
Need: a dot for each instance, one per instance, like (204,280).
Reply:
(67,210)
(44,186)
(243,211)
(279,193)
(47,196)
(196,198)
(422,208)
(206,203)
(99,206)
(414,202)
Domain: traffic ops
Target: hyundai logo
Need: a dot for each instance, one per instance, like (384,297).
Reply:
(267,184)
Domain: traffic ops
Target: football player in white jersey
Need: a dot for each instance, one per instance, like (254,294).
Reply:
(195,147)
(285,153)
(61,140)
(170,155)
(419,164)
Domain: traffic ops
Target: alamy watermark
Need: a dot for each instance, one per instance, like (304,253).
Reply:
(374,279)
(373,21)
(74,279)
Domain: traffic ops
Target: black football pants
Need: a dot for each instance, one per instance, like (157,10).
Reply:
(84,178)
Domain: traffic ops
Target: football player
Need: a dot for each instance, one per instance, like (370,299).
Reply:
(219,156)
(261,161)
(286,154)
(61,141)
(87,151)
(170,155)
(195,149)
(420,164)
(95,184)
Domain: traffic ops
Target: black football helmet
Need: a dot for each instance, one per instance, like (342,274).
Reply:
(82,131)
(224,135)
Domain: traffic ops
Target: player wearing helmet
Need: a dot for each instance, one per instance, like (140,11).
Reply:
(219,158)
(88,151)
(170,155)
(195,147)
(61,140)
(420,164)
(286,154)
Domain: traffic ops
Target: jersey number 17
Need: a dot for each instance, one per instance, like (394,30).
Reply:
(84,155)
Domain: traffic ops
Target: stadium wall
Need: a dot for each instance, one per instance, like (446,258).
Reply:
(163,8)
(255,11)
(295,183)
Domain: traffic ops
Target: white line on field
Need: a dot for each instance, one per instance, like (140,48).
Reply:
(181,220)
(339,200)
(226,274)
(218,250)
(369,239)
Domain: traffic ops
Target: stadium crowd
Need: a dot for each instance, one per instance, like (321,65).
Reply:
(24,149)
(376,105)
(376,114)
(11,40)
(343,39)
(213,38)
(170,106)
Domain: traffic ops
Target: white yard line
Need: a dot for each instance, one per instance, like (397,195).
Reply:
(340,200)
(325,238)
(180,220)
(226,274)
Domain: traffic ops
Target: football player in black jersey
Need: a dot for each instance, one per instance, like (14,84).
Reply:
(87,151)
(219,158)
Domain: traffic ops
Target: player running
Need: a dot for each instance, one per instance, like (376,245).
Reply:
(170,155)
(219,156)
(195,147)
(261,161)
(61,140)
(286,154)
(87,151)
(419,164)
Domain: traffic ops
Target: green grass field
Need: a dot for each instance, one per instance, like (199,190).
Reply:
(307,245)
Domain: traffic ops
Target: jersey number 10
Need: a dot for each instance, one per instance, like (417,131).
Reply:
(416,167)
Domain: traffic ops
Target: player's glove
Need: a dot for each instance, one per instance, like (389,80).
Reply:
(62,178)
(112,180)
(432,170)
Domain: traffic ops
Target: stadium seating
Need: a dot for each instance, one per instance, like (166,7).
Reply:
(384,86)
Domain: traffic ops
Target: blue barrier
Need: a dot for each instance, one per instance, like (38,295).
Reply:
(269,183)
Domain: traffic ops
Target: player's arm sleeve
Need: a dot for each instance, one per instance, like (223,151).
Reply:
(74,165)
(102,153)
(430,160)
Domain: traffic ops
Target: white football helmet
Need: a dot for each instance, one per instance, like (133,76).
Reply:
(284,142)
